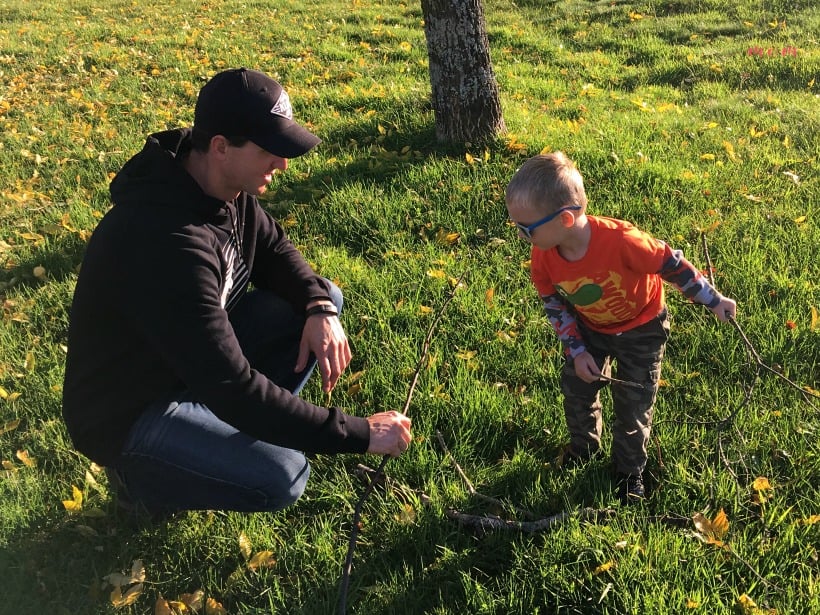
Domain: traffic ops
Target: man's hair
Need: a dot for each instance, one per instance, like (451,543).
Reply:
(546,183)
(201,140)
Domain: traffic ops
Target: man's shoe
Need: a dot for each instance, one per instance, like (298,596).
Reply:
(630,489)
(133,510)
(119,491)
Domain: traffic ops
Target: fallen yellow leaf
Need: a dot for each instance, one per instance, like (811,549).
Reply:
(262,559)
(245,546)
(354,389)
(9,426)
(761,483)
(27,461)
(76,503)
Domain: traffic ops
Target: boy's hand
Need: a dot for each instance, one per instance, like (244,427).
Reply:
(586,368)
(726,309)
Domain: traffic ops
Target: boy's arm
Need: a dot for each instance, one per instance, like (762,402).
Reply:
(681,274)
(565,325)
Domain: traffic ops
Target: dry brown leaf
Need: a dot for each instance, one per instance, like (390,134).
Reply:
(711,531)
(163,607)
(193,601)
(212,607)
(120,599)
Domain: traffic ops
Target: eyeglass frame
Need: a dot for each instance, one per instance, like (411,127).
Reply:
(527,230)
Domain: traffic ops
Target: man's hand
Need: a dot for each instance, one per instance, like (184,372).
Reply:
(389,433)
(324,336)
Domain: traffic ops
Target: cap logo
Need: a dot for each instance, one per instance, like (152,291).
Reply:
(282,106)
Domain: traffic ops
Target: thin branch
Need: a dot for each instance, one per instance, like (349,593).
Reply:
(709,268)
(760,578)
(492,522)
(357,513)
(627,383)
(806,394)
(472,489)
(749,346)
(368,474)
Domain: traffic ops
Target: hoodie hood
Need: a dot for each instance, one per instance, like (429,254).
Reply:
(155,175)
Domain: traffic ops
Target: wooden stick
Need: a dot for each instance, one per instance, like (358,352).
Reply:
(472,489)
(627,383)
(492,522)
(357,513)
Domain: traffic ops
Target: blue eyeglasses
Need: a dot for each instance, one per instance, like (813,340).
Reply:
(526,230)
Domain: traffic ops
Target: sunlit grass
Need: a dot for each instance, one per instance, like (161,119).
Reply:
(693,119)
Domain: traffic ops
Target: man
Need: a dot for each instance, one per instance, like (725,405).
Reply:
(180,380)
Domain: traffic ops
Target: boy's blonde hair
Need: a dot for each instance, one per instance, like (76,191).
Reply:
(546,183)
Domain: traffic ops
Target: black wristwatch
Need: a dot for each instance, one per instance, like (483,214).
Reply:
(327,309)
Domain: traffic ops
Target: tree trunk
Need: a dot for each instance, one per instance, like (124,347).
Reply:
(464,89)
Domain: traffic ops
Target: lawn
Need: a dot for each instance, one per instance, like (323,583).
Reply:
(697,120)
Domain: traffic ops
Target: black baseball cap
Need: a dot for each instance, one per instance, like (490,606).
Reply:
(247,103)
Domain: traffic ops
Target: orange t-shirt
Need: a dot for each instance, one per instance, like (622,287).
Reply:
(615,286)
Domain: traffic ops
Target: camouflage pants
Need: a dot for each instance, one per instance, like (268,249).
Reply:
(637,355)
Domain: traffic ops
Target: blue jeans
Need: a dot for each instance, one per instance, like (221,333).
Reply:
(180,456)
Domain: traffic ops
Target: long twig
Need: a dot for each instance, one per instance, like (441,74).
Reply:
(357,513)
(368,474)
(492,522)
(472,489)
(749,346)
(627,383)
(761,364)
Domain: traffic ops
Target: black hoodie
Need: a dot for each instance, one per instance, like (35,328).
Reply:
(148,319)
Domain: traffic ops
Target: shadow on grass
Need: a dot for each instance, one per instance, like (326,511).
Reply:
(56,563)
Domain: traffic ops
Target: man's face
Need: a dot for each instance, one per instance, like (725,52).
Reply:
(250,168)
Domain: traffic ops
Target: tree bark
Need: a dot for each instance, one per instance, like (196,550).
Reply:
(464,90)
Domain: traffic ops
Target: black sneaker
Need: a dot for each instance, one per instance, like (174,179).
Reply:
(630,489)
(569,457)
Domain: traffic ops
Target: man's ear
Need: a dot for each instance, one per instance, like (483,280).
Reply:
(219,145)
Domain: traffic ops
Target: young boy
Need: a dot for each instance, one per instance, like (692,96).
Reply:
(601,281)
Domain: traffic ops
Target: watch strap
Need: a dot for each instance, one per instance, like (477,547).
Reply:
(328,309)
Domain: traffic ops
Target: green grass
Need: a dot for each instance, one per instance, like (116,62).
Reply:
(685,117)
